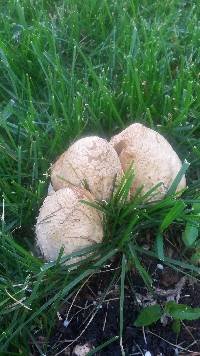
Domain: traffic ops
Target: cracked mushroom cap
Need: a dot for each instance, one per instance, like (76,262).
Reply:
(65,221)
(153,157)
(90,163)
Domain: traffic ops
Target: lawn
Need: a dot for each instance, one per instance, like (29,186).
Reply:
(68,69)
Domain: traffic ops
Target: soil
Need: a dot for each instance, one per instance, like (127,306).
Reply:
(91,317)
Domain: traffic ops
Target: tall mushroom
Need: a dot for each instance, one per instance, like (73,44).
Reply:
(66,221)
(90,163)
(153,158)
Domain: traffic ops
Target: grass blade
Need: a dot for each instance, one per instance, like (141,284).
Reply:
(160,246)
(121,306)
(141,270)
(183,170)
(103,345)
(173,214)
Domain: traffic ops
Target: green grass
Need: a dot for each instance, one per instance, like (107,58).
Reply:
(69,68)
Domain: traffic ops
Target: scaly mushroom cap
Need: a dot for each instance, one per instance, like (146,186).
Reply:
(153,158)
(90,163)
(65,221)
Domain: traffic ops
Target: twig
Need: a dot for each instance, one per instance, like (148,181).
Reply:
(189,332)
(139,348)
(145,340)
(173,292)
(170,343)
(104,324)
(67,316)
(78,337)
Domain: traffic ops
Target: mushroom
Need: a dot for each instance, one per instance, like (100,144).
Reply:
(153,158)
(65,221)
(90,163)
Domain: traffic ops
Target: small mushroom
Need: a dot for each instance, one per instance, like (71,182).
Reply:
(65,221)
(90,163)
(153,158)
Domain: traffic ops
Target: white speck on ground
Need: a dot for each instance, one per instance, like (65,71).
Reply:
(147,353)
(66,323)
(81,350)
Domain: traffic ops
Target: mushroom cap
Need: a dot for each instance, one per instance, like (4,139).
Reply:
(66,221)
(90,163)
(153,158)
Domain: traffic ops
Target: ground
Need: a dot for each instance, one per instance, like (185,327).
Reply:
(93,319)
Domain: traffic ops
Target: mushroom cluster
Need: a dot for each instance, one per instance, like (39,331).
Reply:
(90,170)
